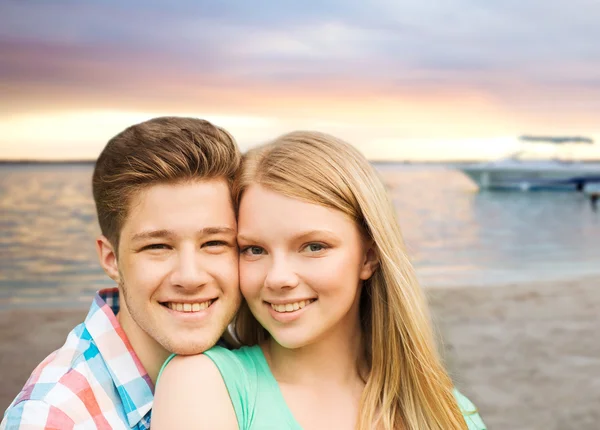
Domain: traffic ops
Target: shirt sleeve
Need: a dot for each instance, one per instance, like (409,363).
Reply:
(35,415)
(237,381)
(470,412)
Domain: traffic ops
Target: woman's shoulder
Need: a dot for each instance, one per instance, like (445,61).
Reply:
(229,360)
(469,411)
(240,370)
(178,364)
(244,360)
(244,354)
(230,363)
(190,388)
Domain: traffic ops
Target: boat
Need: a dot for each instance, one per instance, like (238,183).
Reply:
(592,189)
(520,171)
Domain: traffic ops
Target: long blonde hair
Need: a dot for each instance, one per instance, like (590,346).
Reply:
(407,386)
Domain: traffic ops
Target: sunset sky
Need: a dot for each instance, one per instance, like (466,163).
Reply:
(435,80)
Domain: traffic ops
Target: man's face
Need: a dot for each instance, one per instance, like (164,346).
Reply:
(178,266)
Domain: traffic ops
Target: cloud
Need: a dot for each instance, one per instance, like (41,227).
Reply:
(378,39)
(513,54)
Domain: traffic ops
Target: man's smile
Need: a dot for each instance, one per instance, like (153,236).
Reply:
(189,306)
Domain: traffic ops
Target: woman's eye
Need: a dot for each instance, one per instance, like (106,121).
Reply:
(314,247)
(253,250)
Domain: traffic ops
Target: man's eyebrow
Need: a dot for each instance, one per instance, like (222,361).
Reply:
(153,234)
(216,230)
(168,234)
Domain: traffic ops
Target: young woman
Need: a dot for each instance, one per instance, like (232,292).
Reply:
(336,326)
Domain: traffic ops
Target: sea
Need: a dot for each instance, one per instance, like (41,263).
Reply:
(456,236)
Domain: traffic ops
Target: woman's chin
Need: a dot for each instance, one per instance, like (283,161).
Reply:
(291,342)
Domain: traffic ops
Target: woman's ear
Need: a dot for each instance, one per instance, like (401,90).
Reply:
(108,258)
(370,262)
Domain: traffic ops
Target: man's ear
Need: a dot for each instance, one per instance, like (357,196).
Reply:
(108,258)
(370,262)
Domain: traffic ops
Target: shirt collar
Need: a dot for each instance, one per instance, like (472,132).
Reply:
(131,379)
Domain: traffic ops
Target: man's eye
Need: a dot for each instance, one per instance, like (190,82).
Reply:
(253,250)
(156,246)
(213,243)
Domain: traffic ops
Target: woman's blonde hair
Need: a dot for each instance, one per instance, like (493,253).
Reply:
(406,387)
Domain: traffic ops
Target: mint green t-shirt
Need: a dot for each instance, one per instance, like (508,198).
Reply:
(256,397)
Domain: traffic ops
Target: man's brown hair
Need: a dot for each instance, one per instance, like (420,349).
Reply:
(161,150)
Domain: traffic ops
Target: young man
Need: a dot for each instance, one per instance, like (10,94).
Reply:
(162,194)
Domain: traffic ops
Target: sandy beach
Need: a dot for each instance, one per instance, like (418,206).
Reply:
(527,355)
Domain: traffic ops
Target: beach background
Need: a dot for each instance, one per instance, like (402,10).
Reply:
(513,280)
(418,87)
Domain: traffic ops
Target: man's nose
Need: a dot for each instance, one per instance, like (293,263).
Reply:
(189,272)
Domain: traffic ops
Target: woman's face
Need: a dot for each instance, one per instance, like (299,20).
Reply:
(301,267)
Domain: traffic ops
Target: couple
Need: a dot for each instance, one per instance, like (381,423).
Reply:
(299,242)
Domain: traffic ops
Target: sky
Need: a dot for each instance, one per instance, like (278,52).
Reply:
(420,80)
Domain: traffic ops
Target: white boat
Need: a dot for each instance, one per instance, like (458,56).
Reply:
(521,172)
(592,189)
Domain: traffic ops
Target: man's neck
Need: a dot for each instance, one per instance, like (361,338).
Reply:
(150,353)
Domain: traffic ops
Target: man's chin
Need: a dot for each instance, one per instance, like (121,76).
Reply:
(192,348)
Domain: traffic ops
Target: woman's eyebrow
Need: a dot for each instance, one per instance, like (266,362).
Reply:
(303,235)
(310,233)
(244,238)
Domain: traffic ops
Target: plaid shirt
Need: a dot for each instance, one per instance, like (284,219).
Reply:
(94,381)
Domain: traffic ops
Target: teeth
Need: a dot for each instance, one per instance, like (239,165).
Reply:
(291,307)
(189,307)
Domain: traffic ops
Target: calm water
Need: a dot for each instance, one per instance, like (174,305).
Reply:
(455,235)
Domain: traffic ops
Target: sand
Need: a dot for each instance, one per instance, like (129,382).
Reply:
(527,355)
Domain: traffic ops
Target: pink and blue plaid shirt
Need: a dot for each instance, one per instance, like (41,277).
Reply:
(94,381)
